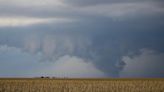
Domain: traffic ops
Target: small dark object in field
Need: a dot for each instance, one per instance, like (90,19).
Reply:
(41,77)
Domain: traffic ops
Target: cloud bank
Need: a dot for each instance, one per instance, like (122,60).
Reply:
(27,65)
(81,38)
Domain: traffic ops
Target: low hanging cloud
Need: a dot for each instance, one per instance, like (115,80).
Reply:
(73,67)
(17,63)
(48,30)
(148,64)
(31,43)
(103,50)
(23,64)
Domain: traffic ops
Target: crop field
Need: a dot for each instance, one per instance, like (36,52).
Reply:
(81,85)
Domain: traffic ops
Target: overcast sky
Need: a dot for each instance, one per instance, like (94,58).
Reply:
(82,38)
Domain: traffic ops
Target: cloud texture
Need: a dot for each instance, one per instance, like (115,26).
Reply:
(27,65)
(81,38)
(146,65)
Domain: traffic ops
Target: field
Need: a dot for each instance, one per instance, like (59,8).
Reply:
(81,85)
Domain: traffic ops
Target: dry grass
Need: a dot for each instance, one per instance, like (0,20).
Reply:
(81,85)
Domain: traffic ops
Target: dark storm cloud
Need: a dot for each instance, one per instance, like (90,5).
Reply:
(104,33)
(95,2)
(104,45)
(104,7)
(147,64)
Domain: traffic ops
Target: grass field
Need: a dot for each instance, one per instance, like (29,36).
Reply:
(81,85)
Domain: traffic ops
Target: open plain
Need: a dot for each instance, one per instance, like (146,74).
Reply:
(80,85)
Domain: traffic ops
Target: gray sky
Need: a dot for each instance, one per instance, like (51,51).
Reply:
(81,38)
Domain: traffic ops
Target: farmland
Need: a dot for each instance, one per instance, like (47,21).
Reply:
(80,85)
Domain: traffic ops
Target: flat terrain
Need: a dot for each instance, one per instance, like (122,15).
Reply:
(81,85)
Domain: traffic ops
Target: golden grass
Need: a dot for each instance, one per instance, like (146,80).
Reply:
(81,85)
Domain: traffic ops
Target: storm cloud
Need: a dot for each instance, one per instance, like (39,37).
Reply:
(80,38)
(146,64)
